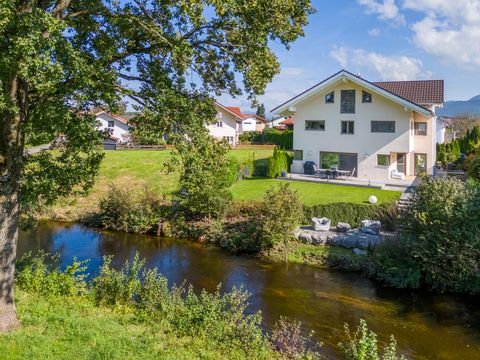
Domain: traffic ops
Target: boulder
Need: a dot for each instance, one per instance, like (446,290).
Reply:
(320,224)
(343,227)
(371,227)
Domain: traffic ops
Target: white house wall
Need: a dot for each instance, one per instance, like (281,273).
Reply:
(229,127)
(363,142)
(249,124)
(120,130)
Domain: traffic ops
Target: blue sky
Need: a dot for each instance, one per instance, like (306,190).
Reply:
(382,40)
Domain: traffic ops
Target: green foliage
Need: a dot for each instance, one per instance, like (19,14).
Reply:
(261,111)
(468,144)
(282,138)
(362,345)
(474,169)
(280,213)
(277,163)
(112,287)
(41,274)
(250,136)
(290,341)
(353,213)
(444,235)
(247,167)
(122,211)
(146,131)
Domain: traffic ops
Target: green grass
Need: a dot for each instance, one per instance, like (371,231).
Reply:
(73,328)
(313,193)
(137,169)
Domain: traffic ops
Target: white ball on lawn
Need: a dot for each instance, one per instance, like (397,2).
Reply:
(372,199)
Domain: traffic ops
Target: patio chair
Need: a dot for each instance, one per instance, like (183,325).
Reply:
(352,173)
(395,174)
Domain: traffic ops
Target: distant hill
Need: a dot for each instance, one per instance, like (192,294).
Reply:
(458,108)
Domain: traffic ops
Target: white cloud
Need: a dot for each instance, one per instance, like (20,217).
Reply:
(340,54)
(449,29)
(374,32)
(380,66)
(291,71)
(385,9)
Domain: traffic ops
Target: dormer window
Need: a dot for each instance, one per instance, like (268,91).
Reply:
(366,97)
(330,98)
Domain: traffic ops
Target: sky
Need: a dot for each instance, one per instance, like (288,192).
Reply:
(382,40)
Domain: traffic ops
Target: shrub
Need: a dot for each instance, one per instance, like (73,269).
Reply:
(281,212)
(232,172)
(121,211)
(282,138)
(353,213)
(444,234)
(247,167)
(41,274)
(277,163)
(289,339)
(474,169)
(362,345)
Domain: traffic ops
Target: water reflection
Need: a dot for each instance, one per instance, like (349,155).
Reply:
(426,326)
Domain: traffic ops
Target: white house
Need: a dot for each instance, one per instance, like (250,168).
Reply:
(377,131)
(227,124)
(116,126)
(252,122)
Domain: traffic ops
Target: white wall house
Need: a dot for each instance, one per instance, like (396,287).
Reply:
(116,125)
(372,129)
(252,122)
(226,125)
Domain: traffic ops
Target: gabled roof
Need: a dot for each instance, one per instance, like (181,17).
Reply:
(418,91)
(116,117)
(247,116)
(346,75)
(228,109)
(289,121)
(235,109)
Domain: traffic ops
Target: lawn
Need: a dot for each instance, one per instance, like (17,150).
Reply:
(73,328)
(137,169)
(313,193)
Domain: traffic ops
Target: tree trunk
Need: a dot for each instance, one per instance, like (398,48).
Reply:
(12,140)
(8,245)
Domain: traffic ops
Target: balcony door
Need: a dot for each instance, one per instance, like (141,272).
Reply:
(402,163)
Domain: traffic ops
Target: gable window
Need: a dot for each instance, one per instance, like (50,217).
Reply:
(318,125)
(111,123)
(420,128)
(330,98)
(219,115)
(297,154)
(382,126)
(347,127)
(219,124)
(383,160)
(366,97)
(347,102)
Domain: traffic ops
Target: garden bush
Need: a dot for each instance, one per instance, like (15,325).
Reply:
(353,213)
(474,168)
(122,211)
(277,163)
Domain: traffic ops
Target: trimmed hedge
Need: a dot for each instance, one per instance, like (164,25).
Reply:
(353,213)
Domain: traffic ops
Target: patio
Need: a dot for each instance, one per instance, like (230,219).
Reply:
(399,185)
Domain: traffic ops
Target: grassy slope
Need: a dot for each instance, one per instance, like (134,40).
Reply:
(135,169)
(65,328)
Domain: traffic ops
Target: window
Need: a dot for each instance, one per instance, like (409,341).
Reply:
(383,160)
(229,139)
(347,127)
(382,126)
(315,125)
(366,97)
(330,98)
(219,124)
(297,154)
(347,103)
(111,123)
(420,128)
(420,163)
(247,123)
(219,115)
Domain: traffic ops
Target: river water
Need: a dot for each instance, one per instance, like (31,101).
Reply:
(426,326)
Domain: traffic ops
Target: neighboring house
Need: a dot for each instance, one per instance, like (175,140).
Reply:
(378,131)
(230,122)
(288,124)
(276,123)
(227,124)
(116,125)
(253,122)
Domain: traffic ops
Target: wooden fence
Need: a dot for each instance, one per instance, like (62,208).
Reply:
(140,147)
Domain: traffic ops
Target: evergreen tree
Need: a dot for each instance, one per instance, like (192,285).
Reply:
(261,111)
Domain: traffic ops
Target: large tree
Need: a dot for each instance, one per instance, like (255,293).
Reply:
(60,58)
